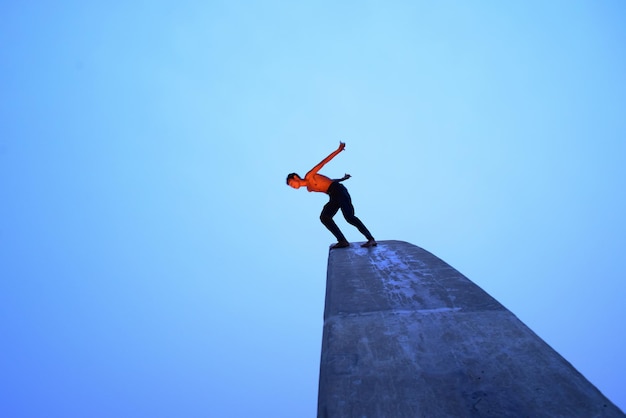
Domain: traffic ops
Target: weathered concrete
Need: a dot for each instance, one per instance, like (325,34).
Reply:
(406,335)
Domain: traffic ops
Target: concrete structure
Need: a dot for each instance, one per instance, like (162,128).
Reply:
(406,335)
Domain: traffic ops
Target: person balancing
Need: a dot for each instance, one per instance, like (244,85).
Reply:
(339,199)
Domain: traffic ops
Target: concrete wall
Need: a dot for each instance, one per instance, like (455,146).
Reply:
(406,335)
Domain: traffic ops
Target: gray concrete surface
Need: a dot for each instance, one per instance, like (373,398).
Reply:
(406,335)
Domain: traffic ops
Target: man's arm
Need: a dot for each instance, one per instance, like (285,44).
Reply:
(317,168)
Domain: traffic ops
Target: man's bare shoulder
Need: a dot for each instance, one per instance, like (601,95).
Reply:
(316,176)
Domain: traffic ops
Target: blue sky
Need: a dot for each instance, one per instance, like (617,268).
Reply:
(155,264)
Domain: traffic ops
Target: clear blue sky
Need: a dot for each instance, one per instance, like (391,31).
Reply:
(155,264)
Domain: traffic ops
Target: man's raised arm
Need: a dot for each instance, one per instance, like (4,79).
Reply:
(332,155)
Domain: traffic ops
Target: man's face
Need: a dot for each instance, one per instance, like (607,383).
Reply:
(294,182)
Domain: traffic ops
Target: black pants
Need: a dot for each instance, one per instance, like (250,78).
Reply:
(340,199)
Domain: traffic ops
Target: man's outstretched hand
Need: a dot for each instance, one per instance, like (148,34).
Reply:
(342,146)
(346,177)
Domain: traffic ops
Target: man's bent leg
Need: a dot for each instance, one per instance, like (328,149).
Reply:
(326,217)
(348,212)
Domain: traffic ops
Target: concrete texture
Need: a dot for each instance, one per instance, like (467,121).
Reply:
(406,335)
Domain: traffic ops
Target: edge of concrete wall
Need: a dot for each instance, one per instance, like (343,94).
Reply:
(407,335)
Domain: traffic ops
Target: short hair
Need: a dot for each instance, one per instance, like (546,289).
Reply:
(290,176)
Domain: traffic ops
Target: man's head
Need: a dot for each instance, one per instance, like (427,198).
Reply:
(293,180)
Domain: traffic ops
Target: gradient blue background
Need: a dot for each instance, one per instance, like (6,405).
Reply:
(155,264)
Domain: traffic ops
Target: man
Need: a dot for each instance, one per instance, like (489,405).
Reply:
(339,199)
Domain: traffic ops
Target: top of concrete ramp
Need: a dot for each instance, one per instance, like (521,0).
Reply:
(398,276)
